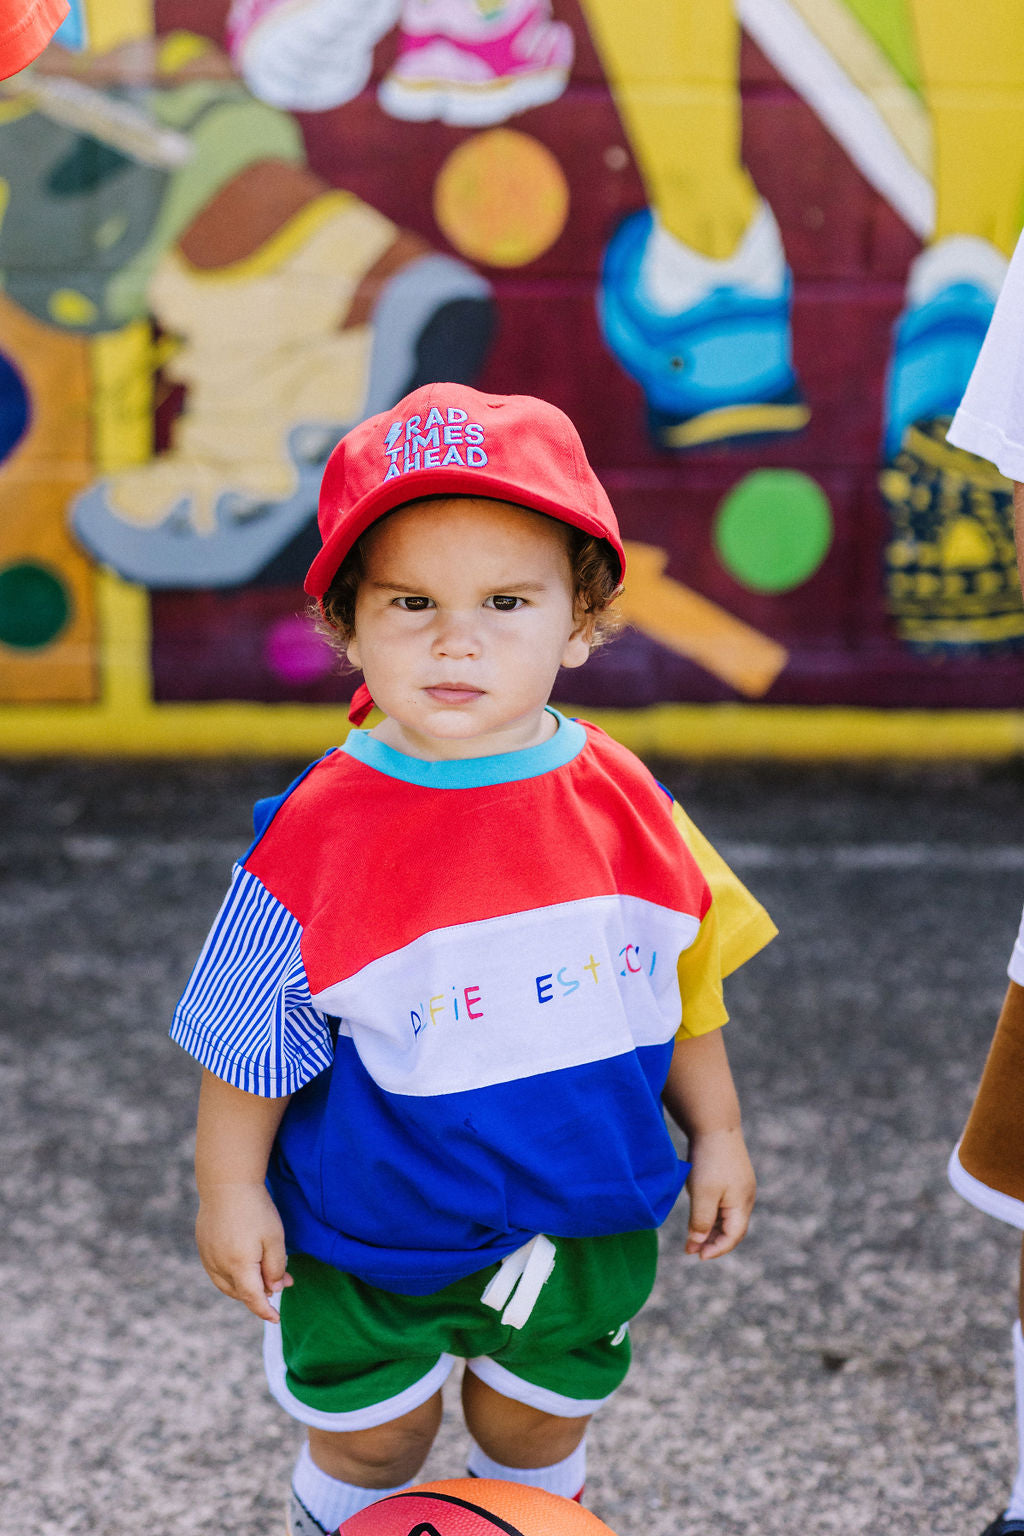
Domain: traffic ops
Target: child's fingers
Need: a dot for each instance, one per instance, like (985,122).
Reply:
(252,1290)
(728,1231)
(703,1218)
(244,1282)
(274,1269)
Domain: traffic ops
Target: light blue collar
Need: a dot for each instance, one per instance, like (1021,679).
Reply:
(471,772)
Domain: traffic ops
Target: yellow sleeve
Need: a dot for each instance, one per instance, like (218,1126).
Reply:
(700,981)
(744,926)
(734,928)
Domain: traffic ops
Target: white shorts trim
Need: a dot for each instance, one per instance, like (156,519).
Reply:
(992,1201)
(502,1380)
(357,1418)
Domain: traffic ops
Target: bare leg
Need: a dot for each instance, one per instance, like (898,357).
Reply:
(382,1457)
(513,1433)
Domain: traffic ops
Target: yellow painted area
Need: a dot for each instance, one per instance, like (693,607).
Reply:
(124,618)
(122,433)
(972,75)
(872,72)
(12,107)
(121,401)
(984,629)
(125,726)
(966,546)
(177,49)
(695,627)
(735,421)
(69,307)
(109,23)
(121,365)
(501,197)
(673,71)
(888,22)
(955,464)
(820,734)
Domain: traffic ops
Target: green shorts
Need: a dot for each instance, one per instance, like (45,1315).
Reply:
(350,1356)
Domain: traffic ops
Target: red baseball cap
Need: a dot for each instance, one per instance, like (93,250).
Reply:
(448,439)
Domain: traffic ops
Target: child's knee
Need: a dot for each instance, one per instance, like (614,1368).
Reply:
(381,1457)
(515,1433)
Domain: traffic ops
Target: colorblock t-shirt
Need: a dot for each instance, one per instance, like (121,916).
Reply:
(470,976)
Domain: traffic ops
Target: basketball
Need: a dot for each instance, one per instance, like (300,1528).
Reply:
(474,1506)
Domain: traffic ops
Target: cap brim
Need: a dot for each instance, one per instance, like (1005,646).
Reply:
(391,494)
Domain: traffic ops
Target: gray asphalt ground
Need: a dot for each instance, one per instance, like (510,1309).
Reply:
(846,1370)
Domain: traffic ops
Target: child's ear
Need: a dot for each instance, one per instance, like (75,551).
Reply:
(352,654)
(577,647)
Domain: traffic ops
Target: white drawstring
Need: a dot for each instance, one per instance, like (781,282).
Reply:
(523,1272)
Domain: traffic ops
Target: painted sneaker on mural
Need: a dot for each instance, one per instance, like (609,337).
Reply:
(234,500)
(307,55)
(951,293)
(471,63)
(708,341)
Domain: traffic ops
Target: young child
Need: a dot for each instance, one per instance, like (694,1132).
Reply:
(467,959)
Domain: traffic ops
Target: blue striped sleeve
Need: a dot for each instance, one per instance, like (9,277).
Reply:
(246,1013)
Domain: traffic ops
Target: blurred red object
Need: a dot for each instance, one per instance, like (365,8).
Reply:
(26,26)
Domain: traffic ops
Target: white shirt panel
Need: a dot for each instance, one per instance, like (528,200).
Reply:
(509,997)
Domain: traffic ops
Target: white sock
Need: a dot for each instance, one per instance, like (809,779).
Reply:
(565,1477)
(1015,1508)
(329,1500)
(675,278)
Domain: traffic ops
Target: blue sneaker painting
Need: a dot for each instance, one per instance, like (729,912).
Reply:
(951,293)
(717,367)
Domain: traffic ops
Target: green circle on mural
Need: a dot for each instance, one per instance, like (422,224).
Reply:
(773,529)
(34,606)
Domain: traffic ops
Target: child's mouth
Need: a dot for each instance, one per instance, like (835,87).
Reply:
(454,693)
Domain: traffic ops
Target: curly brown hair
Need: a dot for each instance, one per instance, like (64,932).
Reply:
(595,582)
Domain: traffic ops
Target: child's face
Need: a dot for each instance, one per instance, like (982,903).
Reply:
(462,620)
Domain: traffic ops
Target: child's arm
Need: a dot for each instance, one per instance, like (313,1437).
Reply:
(700,1096)
(238,1231)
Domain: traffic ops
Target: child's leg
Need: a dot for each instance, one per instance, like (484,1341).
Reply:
(528,1400)
(520,1444)
(1015,1508)
(381,1457)
(338,1474)
(358,1368)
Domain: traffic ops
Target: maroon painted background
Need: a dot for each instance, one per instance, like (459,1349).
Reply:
(849,253)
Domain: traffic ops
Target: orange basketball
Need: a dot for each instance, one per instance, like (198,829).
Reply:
(474,1506)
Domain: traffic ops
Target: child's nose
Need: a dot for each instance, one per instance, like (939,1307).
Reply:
(457,635)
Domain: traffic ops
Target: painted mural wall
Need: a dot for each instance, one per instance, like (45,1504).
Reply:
(751,246)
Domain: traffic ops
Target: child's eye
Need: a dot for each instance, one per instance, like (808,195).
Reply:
(413,604)
(504,603)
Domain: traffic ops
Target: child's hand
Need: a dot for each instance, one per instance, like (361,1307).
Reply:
(241,1243)
(721,1186)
